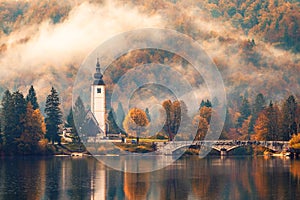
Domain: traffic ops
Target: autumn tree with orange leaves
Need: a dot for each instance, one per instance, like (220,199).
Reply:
(135,122)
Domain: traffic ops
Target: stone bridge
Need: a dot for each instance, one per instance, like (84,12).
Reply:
(223,146)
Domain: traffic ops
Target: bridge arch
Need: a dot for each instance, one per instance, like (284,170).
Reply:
(222,146)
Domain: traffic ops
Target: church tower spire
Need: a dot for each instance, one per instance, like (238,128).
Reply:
(98,75)
(98,98)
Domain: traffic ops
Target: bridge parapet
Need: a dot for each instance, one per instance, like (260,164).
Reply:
(222,145)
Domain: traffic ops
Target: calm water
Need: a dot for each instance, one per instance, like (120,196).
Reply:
(189,178)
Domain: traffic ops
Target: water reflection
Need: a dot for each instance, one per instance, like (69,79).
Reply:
(189,178)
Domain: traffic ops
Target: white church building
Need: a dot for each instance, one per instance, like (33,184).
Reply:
(98,99)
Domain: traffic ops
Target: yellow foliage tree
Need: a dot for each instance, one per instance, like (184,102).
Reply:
(245,127)
(205,112)
(261,127)
(295,141)
(34,128)
(202,126)
(135,122)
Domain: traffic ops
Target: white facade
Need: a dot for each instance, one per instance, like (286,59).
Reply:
(98,105)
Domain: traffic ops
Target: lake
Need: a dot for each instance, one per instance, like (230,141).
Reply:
(187,178)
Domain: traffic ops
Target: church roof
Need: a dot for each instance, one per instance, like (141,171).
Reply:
(91,125)
(98,75)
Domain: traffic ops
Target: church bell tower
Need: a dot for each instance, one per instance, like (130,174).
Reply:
(98,98)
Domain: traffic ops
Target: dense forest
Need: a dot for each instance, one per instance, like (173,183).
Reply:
(24,129)
(254,44)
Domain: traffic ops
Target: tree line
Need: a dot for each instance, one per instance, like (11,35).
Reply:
(24,130)
(263,121)
(248,121)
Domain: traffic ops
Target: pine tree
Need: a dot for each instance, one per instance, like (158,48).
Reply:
(113,127)
(245,112)
(71,124)
(79,115)
(70,119)
(148,114)
(13,118)
(207,103)
(8,121)
(31,97)
(272,113)
(288,118)
(19,109)
(228,124)
(53,116)
(120,115)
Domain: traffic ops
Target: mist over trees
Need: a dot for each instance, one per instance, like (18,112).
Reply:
(256,52)
(253,37)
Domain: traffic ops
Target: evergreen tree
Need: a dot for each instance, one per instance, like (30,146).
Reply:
(120,115)
(70,119)
(79,115)
(13,118)
(245,128)
(148,114)
(245,112)
(19,108)
(8,121)
(53,116)
(258,106)
(288,118)
(272,112)
(71,124)
(31,97)
(228,124)
(207,103)
(113,127)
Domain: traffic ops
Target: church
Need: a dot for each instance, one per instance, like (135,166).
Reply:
(98,107)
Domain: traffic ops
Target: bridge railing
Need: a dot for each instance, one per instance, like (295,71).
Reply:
(274,145)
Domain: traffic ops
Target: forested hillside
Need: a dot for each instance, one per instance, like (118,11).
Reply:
(275,21)
(254,43)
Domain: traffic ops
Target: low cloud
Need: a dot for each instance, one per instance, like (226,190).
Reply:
(51,50)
